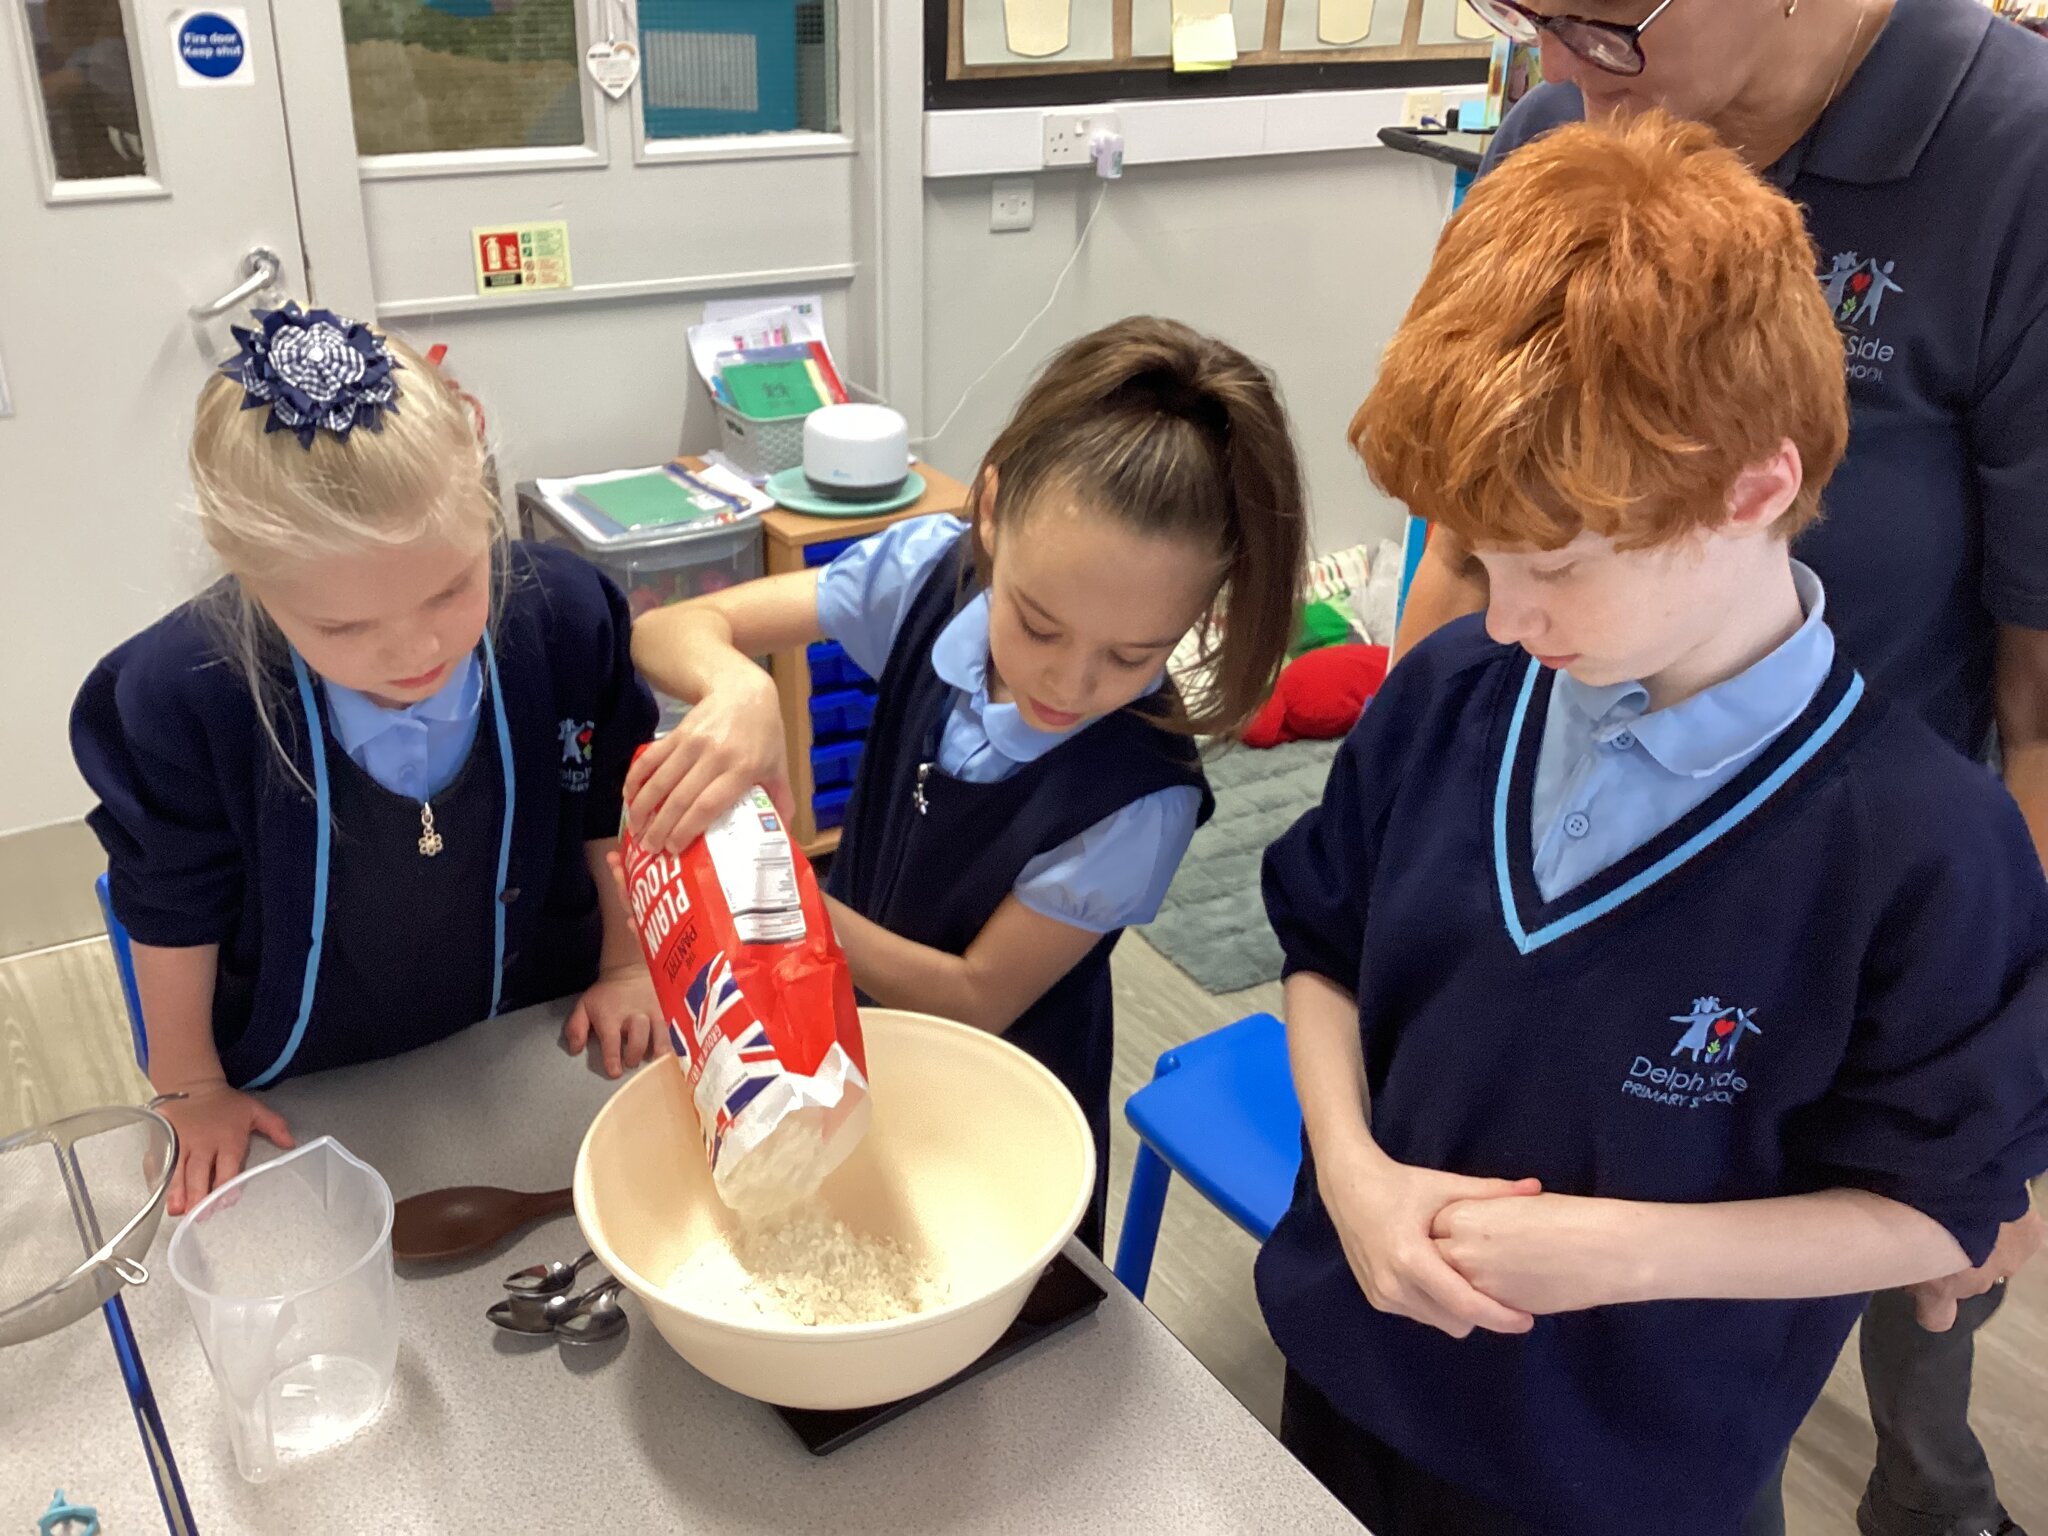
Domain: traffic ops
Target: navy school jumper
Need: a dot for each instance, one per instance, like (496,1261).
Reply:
(368,949)
(1833,973)
(930,857)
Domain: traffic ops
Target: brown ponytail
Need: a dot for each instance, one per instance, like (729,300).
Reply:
(1175,435)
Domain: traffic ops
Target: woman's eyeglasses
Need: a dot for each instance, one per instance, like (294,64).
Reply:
(1610,45)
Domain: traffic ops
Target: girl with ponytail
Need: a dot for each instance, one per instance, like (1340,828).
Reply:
(1031,779)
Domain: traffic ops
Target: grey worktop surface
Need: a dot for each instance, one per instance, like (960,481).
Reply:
(1108,1426)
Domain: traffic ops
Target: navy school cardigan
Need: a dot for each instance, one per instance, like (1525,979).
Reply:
(1832,973)
(211,840)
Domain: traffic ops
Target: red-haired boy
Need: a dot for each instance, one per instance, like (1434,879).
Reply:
(1642,1015)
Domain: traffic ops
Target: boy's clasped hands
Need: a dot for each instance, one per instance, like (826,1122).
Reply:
(1459,1253)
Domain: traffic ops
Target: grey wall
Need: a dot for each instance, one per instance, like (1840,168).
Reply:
(1307,262)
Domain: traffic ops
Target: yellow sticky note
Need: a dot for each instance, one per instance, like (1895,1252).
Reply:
(1204,42)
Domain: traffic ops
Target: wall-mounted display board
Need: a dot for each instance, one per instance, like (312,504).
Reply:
(1026,39)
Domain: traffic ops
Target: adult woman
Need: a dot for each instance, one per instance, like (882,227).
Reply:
(1914,134)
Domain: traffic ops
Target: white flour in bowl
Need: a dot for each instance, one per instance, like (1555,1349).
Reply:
(806,1266)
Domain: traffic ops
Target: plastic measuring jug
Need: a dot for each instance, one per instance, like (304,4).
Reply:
(287,1270)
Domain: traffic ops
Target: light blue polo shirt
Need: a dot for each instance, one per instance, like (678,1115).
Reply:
(418,750)
(1115,874)
(1613,773)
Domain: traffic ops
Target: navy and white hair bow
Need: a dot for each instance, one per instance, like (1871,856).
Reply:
(314,369)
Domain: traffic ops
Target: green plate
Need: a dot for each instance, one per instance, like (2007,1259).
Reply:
(793,493)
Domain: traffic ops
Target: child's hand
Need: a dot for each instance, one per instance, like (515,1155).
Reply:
(725,745)
(621,1014)
(214,1123)
(1384,1211)
(1551,1253)
(1934,1301)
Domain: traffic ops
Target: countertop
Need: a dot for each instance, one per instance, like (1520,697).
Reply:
(1109,1425)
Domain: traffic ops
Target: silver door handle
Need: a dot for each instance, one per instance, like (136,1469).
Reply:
(261,266)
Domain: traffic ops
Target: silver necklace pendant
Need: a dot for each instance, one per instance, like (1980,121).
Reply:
(430,840)
(924,771)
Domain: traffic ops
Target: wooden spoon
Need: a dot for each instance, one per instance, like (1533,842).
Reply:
(454,1223)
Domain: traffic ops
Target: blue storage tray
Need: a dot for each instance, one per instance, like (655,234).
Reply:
(832,668)
(835,766)
(846,712)
(829,807)
(830,550)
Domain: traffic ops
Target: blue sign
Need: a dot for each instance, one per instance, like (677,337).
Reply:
(211,45)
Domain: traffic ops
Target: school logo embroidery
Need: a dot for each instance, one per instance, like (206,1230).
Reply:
(1856,288)
(1713,1034)
(576,753)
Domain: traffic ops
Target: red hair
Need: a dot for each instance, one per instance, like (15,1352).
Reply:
(1619,321)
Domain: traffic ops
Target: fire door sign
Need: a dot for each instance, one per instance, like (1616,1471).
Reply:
(212,47)
(520,258)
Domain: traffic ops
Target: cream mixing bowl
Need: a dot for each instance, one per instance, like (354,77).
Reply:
(977,1159)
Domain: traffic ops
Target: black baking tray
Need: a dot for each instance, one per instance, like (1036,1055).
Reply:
(1065,1294)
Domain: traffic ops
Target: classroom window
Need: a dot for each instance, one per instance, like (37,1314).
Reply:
(87,82)
(714,67)
(431,76)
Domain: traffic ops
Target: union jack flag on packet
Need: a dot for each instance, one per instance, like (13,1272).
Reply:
(758,1001)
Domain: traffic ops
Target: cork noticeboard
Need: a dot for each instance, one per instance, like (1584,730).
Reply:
(1020,39)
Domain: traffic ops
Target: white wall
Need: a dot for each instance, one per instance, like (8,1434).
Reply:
(578,388)
(1306,262)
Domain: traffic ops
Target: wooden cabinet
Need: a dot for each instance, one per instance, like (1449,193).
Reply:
(789,536)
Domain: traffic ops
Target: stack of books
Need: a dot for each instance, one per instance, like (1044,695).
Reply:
(769,383)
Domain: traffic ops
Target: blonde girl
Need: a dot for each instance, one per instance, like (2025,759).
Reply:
(352,797)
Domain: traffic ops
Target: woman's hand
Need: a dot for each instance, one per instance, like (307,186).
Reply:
(1384,1212)
(1552,1253)
(214,1123)
(695,774)
(621,1013)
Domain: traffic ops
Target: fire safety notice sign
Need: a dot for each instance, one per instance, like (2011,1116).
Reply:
(520,258)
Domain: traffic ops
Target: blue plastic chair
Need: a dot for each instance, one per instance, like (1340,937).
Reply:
(1220,1111)
(124,965)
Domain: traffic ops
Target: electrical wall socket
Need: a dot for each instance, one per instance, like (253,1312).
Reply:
(1417,105)
(1067,135)
(1010,205)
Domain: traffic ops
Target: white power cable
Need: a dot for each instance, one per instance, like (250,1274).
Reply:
(1051,299)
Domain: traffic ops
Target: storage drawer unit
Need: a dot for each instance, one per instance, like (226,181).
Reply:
(827,701)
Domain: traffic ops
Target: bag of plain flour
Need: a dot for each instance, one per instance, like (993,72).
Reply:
(758,1001)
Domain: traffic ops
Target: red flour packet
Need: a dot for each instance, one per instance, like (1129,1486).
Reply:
(758,1001)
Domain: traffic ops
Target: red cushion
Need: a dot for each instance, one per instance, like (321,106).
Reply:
(1320,695)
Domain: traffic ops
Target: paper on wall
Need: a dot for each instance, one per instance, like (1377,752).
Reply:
(1036,29)
(1344,22)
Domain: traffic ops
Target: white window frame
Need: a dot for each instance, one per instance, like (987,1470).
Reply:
(58,190)
(803,144)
